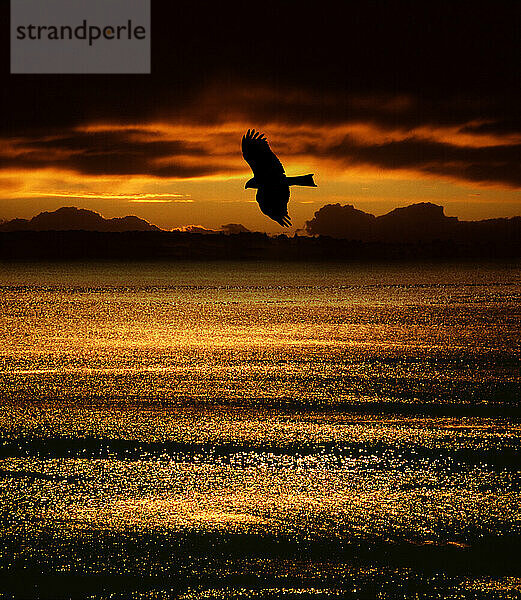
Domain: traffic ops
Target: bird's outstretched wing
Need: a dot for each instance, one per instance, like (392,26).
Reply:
(258,154)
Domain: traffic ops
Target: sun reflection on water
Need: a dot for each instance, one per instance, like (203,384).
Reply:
(361,418)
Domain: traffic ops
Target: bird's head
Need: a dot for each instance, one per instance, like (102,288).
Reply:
(251,183)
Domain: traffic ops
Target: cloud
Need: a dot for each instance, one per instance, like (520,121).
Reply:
(136,198)
(393,86)
(490,164)
(117,152)
(184,150)
(387,62)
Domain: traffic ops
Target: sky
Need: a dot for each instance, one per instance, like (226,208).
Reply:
(387,103)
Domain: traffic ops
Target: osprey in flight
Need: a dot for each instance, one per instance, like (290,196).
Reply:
(269,178)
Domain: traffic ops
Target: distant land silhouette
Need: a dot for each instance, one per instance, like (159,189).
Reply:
(416,232)
(70,218)
(229,229)
(422,222)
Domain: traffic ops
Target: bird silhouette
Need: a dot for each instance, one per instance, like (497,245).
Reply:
(269,178)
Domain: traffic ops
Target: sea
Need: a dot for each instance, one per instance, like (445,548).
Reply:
(249,430)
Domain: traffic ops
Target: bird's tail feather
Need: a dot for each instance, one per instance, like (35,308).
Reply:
(285,221)
(302,180)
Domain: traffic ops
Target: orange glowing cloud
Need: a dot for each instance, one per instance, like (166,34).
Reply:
(185,149)
(348,142)
(142,198)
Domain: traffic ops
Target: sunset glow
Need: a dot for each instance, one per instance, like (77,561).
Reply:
(189,163)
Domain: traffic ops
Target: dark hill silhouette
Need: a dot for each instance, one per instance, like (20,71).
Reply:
(232,228)
(229,229)
(417,232)
(418,223)
(70,218)
(334,220)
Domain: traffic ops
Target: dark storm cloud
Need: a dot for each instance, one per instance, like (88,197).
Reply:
(435,51)
(300,105)
(499,126)
(489,164)
(391,64)
(111,153)
(145,152)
